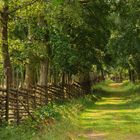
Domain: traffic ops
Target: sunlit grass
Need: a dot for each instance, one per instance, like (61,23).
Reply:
(118,114)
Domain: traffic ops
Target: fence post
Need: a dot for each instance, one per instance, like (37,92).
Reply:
(46,94)
(18,116)
(7,99)
(34,95)
(27,101)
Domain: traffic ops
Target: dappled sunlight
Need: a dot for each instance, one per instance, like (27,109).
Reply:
(93,135)
(112,100)
(115,85)
(113,115)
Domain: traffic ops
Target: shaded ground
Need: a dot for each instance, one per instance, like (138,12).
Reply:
(112,118)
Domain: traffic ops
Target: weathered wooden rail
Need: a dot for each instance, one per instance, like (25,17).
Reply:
(18,104)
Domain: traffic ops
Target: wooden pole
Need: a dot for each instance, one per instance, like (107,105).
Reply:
(17,102)
(7,99)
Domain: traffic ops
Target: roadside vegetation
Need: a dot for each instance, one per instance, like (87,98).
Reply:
(115,115)
(52,122)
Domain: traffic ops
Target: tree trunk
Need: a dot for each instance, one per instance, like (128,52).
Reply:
(30,76)
(63,85)
(69,79)
(63,79)
(55,77)
(5,50)
(102,75)
(133,76)
(85,81)
(120,77)
(44,76)
(44,67)
(130,77)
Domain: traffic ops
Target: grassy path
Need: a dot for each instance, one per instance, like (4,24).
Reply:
(115,117)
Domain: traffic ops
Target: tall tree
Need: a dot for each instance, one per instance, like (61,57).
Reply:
(7,9)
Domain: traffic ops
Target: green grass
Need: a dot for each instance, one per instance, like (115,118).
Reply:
(63,127)
(117,114)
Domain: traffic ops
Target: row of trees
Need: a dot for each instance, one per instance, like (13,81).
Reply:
(62,38)
(50,41)
(125,39)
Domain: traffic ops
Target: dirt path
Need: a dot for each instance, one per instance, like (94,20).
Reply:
(112,118)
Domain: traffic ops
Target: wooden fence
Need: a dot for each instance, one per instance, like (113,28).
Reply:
(18,104)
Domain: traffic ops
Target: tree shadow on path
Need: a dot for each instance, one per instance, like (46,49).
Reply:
(114,115)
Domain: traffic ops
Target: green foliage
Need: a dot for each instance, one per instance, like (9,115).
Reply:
(53,122)
(73,35)
(125,38)
(48,112)
(23,132)
(62,31)
(64,56)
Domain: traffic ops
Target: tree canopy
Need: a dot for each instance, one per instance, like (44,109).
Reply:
(46,39)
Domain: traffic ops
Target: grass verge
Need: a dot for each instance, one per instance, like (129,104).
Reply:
(53,122)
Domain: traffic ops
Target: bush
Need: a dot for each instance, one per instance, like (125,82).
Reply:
(48,112)
(126,82)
